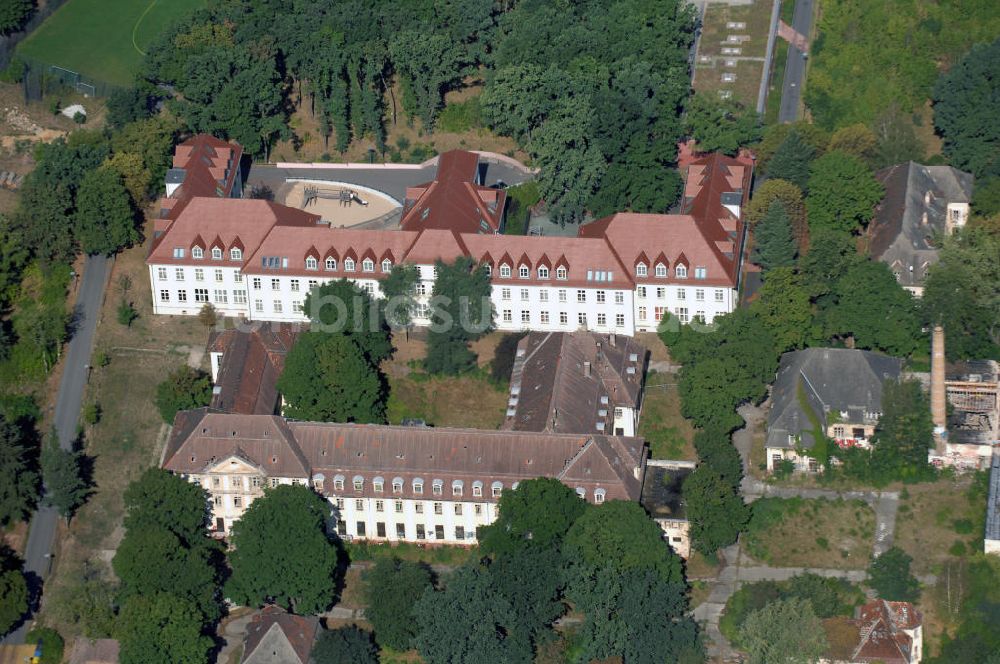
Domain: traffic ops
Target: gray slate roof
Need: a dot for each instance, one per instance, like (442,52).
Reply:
(899,234)
(833,380)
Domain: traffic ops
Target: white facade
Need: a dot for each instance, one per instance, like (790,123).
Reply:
(184,290)
(396,519)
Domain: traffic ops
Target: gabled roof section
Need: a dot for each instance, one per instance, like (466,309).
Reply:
(203,166)
(435,244)
(455,200)
(274,628)
(252,362)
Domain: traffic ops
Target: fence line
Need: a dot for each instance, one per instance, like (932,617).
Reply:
(9,42)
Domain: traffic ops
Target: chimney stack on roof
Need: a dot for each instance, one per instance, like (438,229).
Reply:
(938,396)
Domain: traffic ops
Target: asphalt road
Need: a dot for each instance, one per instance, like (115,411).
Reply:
(795,67)
(391,181)
(41,536)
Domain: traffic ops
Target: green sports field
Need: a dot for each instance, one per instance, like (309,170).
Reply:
(102,39)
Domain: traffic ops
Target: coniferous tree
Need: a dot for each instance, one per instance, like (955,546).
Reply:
(774,243)
(13,589)
(63,472)
(791,161)
(461,313)
(904,434)
(18,478)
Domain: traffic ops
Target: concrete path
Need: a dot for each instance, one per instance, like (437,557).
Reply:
(795,65)
(232,636)
(41,536)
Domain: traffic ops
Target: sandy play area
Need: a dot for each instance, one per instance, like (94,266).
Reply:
(341,204)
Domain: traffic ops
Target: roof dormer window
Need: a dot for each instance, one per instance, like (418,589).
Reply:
(196,252)
(505,271)
(543,272)
(681,272)
(331,263)
(178,252)
(349,264)
(216,253)
(235,254)
(661,270)
(561,273)
(386,265)
(367,265)
(641,270)
(311,263)
(524,272)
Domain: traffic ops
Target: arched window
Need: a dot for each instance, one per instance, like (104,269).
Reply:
(477,489)
(418,485)
(349,264)
(580,491)
(368,265)
(359,483)
(681,272)
(235,254)
(216,254)
(378,484)
(598,495)
(338,483)
(641,270)
(311,263)
(661,270)
(397,485)
(543,272)
(561,273)
(387,265)
(197,252)
(505,271)
(497,489)
(331,263)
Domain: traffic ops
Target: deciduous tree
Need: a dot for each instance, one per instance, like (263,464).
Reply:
(161,629)
(345,644)
(875,310)
(783,307)
(392,589)
(904,434)
(398,291)
(13,590)
(282,553)
(461,312)
(184,389)
(787,631)
(889,575)
(842,193)
(342,307)
(537,514)
(719,125)
(856,140)
(161,500)
(715,509)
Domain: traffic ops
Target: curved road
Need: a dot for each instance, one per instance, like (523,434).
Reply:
(42,533)
(795,66)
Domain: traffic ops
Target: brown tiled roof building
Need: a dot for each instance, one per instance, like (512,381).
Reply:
(246,364)
(277,637)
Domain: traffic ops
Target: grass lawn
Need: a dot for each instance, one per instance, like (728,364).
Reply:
(103,39)
(669,435)
(939,522)
(127,439)
(811,533)
(773,105)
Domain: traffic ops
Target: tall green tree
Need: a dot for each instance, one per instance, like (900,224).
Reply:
(875,310)
(715,509)
(14,14)
(184,389)
(398,291)
(889,575)
(161,500)
(537,514)
(161,629)
(715,450)
(720,125)
(392,589)
(815,136)
(461,312)
(783,307)
(282,553)
(774,243)
(64,474)
(13,590)
(857,140)
(790,197)
(962,98)
(342,307)
(328,378)
(345,645)
(842,194)
(791,161)
(787,631)
(904,434)
(18,475)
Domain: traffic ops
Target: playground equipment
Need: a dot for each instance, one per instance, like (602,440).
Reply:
(347,197)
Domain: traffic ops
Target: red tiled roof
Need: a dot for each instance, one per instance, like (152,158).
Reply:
(236,222)
(881,626)
(211,167)
(453,201)
(299,631)
(252,362)
(295,242)
(203,438)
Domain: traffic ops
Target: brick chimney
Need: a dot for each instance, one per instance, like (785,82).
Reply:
(938,395)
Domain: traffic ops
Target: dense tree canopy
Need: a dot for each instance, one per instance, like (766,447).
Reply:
(14,14)
(327,378)
(721,125)
(342,307)
(160,499)
(345,644)
(398,291)
(538,513)
(13,590)
(65,476)
(19,482)
(715,509)
(161,629)
(105,219)
(184,389)
(461,312)
(904,434)
(392,589)
(842,194)
(783,307)
(889,575)
(791,161)
(774,240)
(282,554)
(786,630)
(963,101)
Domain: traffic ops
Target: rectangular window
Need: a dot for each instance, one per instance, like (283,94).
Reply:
(400,531)
(182,296)
(380,529)
(361,528)
(295,285)
(600,296)
(418,508)
(658,311)
(682,314)
(508,316)
(719,295)
(179,274)
(524,295)
(581,296)
(237,276)
(543,295)
(277,306)
(239,297)
(201,295)
(420,531)
(275,284)
(218,275)
(525,316)
(341,527)
(661,292)
(642,313)
(439,532)
(640,291)
(221,296)
(359,504)
(258,305)
(478,509)
(619,297)
(581,319)
(505,294)
(164,296)
(563,318)
(602,319)
(545,318)
(379,505)
(699,294)
(562,295)
(399,507)
(237,501)
(459,533)
(297,306)
(256,283)
(161,273)
(620,320)
(458,509)
(700,273)
(439,508)
(199,274)
(681,294)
